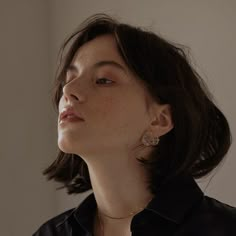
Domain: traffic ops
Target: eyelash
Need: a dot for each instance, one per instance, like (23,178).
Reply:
(104,79)
(64,81)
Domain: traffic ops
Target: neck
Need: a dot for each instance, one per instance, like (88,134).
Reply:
(119,188)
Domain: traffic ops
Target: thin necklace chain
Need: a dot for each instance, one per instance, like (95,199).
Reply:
(132,213)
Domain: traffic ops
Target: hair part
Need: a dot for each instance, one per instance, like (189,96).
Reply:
(201,135)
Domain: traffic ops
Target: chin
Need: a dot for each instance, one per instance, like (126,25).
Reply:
(65,147)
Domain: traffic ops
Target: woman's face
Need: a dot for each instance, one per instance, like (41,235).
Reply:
(108,96)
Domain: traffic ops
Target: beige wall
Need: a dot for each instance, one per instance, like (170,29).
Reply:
(31,34)
(26,141)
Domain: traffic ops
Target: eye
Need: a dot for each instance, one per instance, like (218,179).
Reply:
(66,81)
(104,79)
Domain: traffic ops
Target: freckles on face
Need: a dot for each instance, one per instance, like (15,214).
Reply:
(115,113)
(123,112)
(108,111)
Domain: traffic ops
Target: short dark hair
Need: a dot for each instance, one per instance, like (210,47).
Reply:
(201,135)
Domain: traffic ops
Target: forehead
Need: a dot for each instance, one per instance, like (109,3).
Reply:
(101,48)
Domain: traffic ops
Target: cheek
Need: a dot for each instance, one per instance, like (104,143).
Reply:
(107,109)
(122,114)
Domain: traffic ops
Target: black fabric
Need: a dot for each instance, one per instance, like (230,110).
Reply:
(180,209)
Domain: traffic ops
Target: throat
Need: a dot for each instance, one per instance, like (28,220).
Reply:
(114,227)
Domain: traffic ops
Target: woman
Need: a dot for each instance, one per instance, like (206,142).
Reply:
(136,124)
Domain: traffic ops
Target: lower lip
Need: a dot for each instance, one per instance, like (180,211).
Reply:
(70,119)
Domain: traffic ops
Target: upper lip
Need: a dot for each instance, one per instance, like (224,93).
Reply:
(69,111)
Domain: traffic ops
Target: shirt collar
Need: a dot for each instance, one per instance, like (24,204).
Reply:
(171,203)
(175,198)
(85,212)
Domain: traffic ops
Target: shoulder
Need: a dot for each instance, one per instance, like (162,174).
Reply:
(213,217)
(219,209)
(53,225)
(78,218)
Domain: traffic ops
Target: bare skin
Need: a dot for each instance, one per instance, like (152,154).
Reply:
(117,113)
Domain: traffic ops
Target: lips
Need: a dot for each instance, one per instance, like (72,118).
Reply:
(68,112)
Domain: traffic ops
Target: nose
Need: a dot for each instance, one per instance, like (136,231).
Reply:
(68,94)
(71,92)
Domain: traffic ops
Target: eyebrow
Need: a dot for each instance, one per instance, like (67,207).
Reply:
(99,64)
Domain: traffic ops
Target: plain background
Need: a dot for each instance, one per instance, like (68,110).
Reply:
(31,34)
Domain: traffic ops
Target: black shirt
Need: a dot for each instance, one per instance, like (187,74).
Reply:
(180,209)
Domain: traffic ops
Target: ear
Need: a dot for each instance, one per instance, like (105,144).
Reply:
(161,122)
